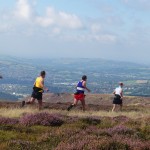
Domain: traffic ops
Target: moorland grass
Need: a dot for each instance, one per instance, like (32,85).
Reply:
(90,130)
(17,112)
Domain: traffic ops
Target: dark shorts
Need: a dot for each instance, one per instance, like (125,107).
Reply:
(117,100)
(37,95)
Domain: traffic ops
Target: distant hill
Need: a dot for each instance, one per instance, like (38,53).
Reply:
(62,75)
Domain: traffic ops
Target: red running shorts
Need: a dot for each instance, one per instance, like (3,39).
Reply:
(79,96)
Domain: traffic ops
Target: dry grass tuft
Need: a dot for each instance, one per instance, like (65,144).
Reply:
(18,112)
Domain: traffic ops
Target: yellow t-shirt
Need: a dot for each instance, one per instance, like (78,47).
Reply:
(38,82)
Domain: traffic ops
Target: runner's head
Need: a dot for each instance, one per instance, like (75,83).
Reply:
(43,74)
(121,84)
(84,77)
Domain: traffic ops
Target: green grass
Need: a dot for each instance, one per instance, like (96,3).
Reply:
(89,130)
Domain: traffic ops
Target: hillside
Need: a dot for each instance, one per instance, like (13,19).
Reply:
(96,99)
(94,102)
(97,128)
(63,74)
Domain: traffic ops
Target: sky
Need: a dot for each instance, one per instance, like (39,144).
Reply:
(108,29)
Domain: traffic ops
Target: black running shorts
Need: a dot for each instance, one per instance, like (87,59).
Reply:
(117,100)
(37,95)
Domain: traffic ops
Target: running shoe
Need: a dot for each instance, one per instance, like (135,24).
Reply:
(69,107)
(23,103)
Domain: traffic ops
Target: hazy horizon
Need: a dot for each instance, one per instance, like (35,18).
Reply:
(110,30)
(73,58)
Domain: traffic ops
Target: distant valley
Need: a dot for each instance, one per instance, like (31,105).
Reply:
(63,74)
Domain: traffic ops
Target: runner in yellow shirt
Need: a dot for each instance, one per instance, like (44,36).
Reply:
(38,90)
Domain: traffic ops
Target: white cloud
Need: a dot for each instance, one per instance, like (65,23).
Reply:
(44,21)
(69,20)
(97,32)
(24,19)
(96,28)
(23,10)
(58,18)
(48,19)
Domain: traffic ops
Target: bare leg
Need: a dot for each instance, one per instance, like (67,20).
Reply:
(31,101)
(83,104)
(114,106)
(40,104)
(120,107)
(73,105)
(75,102)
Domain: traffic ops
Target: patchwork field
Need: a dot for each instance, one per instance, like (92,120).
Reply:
(54,128)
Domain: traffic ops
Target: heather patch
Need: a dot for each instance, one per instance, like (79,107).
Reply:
(44,119)
(120,130)
(8,121)
(79,131)
(71,120)
(107,122)
(121,119)
(90,142)
(91,120)
(132,143)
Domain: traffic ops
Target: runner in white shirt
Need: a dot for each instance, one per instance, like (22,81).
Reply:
(118,92)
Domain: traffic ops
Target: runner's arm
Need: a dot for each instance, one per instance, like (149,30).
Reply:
(42,85)
(84,85)
(121,94)
(76,86)
(114,92)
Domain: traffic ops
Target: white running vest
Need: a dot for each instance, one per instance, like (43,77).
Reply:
(118,91)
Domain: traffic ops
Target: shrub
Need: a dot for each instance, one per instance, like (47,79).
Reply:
(19,144)
(78,142)
(72,119)
(43,118)
(134,144)
(8,121)
(91,120)
(90,142)
(120,130)
(121,119)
